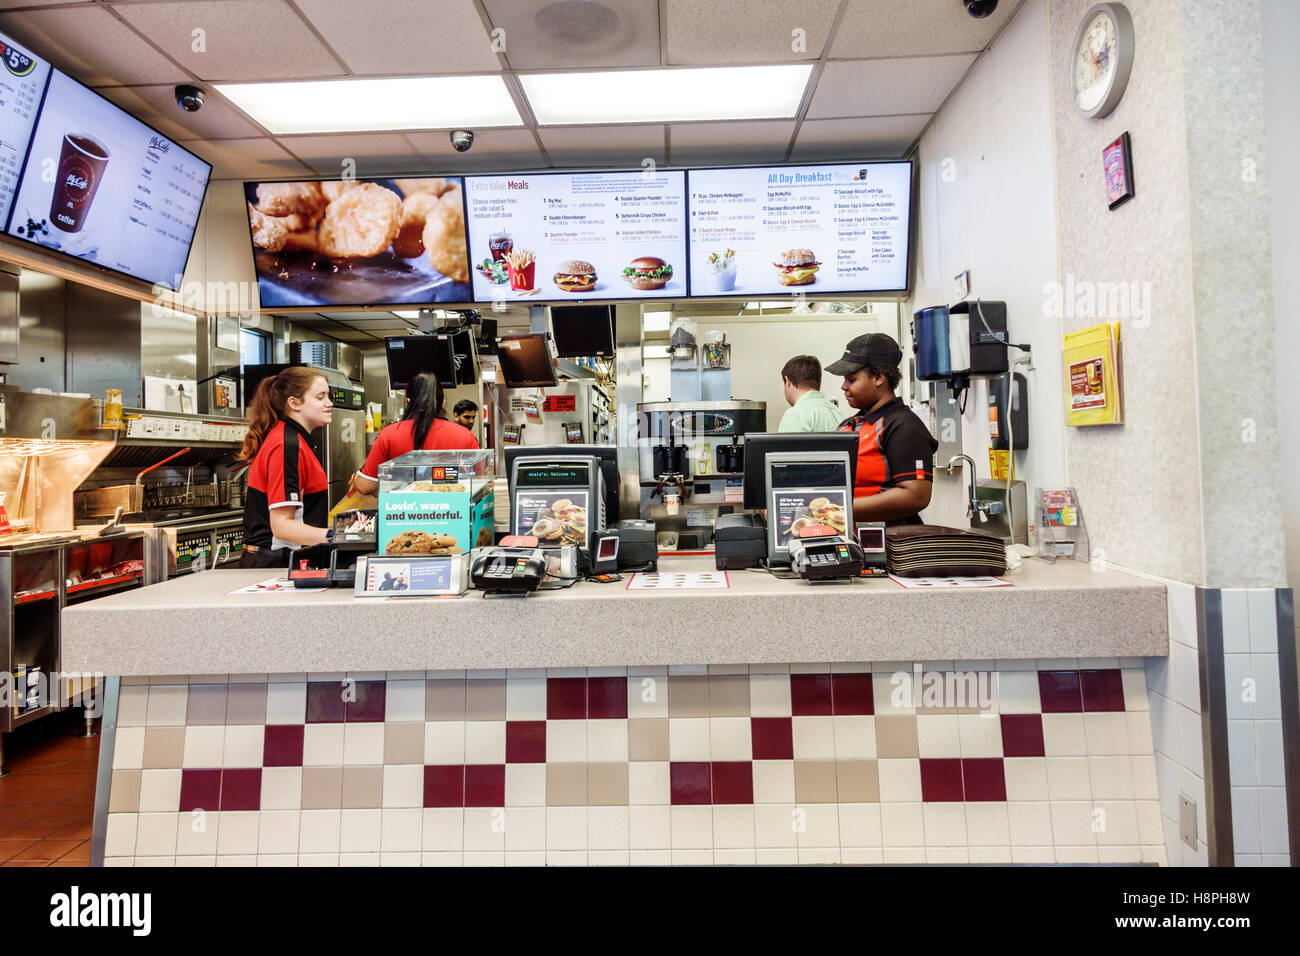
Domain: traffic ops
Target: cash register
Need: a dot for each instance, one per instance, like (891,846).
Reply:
(562,494)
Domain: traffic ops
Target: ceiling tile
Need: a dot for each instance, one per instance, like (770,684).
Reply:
(156,105)
(887,87)
(375,154)
(764,34)
(247,159)
(90,44)
(875,28)
(872,137)
(603,145)
(244,40)
(577,34)
(393,35)
(494,150)
(703,144)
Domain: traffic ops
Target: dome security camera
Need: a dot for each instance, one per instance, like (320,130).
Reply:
(979,9)
(189,98)
(462,140)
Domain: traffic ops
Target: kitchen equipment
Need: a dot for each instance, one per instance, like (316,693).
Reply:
(516,566)
(739,541)
(669,460)
(558,498)
(871,538)
(102,502)
(604,559)
(822,554)
(731,458)
(802,480)
(638,549)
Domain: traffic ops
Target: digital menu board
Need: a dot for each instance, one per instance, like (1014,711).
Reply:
(815,229)
(22,81)
(577,236)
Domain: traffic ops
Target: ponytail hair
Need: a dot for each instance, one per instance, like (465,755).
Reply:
(270,404)
(423,405)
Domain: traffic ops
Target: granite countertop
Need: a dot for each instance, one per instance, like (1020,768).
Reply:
(192,625)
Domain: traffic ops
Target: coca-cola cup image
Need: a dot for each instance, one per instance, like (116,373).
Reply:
(81,167)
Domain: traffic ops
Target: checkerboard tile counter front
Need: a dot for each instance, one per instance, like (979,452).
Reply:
(1052,762)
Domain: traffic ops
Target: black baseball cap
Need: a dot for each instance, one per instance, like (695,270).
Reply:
(874,348)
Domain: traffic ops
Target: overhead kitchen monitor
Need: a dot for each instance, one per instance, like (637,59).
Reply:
(409,355)
(465,355)
(583,330)
(526,361)
(606,454)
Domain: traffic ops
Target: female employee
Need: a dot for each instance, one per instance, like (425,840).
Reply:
(288,494)
(895,450)
(424,426)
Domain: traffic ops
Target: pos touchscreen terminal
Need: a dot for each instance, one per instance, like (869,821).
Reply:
(802,481)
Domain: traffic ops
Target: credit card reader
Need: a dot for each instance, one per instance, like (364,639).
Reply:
(517,566)
(871,538)
(822,554)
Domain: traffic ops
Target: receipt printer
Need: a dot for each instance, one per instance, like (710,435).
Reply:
(821,553)
(739,541)
(638,548)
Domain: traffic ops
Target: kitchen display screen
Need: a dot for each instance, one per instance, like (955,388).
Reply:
(525,362)
(22,81)
(577,236)
(820,230)
(553,476)
(104,187)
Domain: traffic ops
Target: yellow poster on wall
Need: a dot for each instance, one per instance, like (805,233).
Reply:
(1092,385)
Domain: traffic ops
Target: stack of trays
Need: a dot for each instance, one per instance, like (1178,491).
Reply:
(924,551)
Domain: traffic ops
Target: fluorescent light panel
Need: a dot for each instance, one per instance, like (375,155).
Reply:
(667,96)
(346,106)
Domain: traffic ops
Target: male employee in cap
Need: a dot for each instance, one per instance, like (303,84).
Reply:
(895,449)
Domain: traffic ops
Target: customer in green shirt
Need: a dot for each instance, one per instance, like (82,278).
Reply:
(810,410)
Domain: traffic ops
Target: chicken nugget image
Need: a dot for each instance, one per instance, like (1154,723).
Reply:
(286,199)
(362,222)
(416,208)
(409,187)
(269,233)
(336,188)
(444,238)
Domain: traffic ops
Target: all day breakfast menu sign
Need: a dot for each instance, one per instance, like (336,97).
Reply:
(22,81)
(818,229)
(579,236)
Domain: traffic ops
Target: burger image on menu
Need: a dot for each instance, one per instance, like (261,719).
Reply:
(648,272)
(796,267)
(575,276)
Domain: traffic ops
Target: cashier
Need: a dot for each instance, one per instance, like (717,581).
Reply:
(288,494)
(424,425)
(895,467)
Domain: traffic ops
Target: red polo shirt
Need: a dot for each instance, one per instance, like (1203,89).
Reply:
(399,438)
(893,446)
(285,473)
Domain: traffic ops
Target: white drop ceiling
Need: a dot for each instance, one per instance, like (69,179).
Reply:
(881,68)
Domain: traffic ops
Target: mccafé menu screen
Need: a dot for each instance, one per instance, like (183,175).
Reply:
(577,236)
(22,81)
(790,229)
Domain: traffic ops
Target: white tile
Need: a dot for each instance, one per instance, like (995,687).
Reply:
(860,825)
(1064,735)
(652,857)
(688,739)
(731,857)
(485,829)
(692,827)
(237,832)
(1150,829)
(1239,686)
(281,788)
(404,701)
(1068,778)
(1026,778)
(399,859)
(1116,823)
(128,748)
(525,857)
(606,671)
(525,785)
(286,703)
(525,698)
(1160,676)
(990,854)
(774,826)
(243,745)
(614,858)
(566,741)
(1261,605)
(902,824)
(900,780)
(649,783)
(155,834)
(360,831)
(1135,689)
(730,738)
(1272,820)
(1030,823)
(444,742)
(1145,782)
(278,831)
(1268,750)
(733,827)
(484,858)
(403,786)
(606,741)
(608,828)
(981,736)
(904,855)
(1190,747)
(1268,696)
(1277,859)
(210,860)
(1119,854)
(692,857)
(860,856)
(1139,733)
(1182,613)
(1106,734)
(892,692)
(1072,823)
(820,826)
(196,835)
(769,668)
(1245,820)
(485,741)
(357,859)
(1033,854)
(987,824)
(814,738)
(937,735)
(1236,621)
(769,695)
(1187,676)
(401,829)
(1112,778)
(945,824)
(391,676)
(363,744)
(443,829)
(947,854)
(1248,859)
(167,705)
(649,828)
(1077,854)
(319,831)
(647,695)
(1164,731)
(1241,754)
(1198,857)
(1173,845)
(132,705)
(204,747)
(322,745)
(160,791)
(773,781)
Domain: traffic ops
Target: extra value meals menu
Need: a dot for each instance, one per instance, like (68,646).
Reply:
(812,229)
(579,236)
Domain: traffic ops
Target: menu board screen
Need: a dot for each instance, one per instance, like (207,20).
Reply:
(577,236)
(820,230)
(22,81)
(104,187)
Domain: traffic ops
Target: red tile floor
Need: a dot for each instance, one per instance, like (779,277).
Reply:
(47,800)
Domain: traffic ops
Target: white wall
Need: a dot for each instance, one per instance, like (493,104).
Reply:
(987,204)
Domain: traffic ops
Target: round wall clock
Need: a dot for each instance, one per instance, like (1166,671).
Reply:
(1103,59)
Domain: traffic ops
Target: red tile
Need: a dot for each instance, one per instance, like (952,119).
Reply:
(690,783)
(940,780)
(772,738)
(566,698)
(444,786)
(1059,691)
(1022,735)
(810,695)
(282,746)
(733,782)
(241,788)
(525,741)
(852,694)
(1102,690)
(485,785)
(325,702)
(983,779)
(368,707)
(607,698)
(200,790)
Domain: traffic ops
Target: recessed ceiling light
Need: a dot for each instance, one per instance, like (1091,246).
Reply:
(345,106)
(667,96)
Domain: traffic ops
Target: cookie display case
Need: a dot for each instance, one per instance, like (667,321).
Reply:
(436,502)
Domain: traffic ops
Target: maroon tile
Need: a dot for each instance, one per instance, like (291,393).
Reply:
(690,783)
(1022,735)
(200,790)
(983,778)
(810,695)
(485,785)
(282,746)
(444,785)
(241,789)
(566,698)
(1102,690)
(772,738)
(325,702)
(733,781)
(607,698)
(525,741)
(368,708)
(1059,691)
(852,694)
(940,779)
